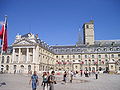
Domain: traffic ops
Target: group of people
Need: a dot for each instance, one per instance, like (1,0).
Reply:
(49,79)
(47,83)
(65,76)
(73,74)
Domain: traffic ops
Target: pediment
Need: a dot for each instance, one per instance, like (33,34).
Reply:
(24,42)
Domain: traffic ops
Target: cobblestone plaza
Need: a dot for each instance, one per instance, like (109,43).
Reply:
(105,82)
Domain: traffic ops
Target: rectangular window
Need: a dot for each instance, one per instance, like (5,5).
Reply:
(99,56)
(86,62)
(56,56)
(106,56)
(85,56)
(112,55)
(78,56)
(118,55)
(93,61)
(73,56)
(67,56)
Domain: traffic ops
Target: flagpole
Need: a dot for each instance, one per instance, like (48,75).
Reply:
(3,42)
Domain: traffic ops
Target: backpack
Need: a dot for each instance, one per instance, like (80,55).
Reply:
(45,79)
(49,79)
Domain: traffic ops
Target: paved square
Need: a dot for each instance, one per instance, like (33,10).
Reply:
(105,82)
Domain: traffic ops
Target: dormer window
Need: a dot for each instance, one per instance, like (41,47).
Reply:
(87,26)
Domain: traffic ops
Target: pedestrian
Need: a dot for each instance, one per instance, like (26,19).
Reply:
(48,74)
(51,80)
(65,76)
(81,72)
(34,79)
(45,81)
(14,71)
(71,76)
(96,74)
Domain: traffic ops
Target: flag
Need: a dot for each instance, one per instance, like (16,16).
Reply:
(3,36)
(1,32)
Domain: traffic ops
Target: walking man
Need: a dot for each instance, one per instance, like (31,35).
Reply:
(81,72)
(96,74)
(71,76)
(34,79)
(51,80)
(65,76)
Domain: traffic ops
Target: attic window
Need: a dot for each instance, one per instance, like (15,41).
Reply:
(87,26)
(113,43)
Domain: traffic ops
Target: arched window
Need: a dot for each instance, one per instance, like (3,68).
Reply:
(85,62)
(7,67)
(92,56)
(89,61)
(87,26)
(100,68)
(99,56)
(2,59)
(93,68)
(29,67)
(93,61)
(100,62)
(89,68)
(22,67)
(85,56)
(8,59)
(14,67)
(76,67)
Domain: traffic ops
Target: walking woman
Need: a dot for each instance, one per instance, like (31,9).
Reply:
(45,81)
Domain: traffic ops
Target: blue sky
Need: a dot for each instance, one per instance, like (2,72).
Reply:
(58,21)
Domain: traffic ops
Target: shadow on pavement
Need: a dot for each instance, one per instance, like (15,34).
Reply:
(3,83)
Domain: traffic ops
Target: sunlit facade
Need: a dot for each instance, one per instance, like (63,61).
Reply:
(29,53)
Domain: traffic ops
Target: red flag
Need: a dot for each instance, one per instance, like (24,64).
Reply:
(1,32)
(3,36)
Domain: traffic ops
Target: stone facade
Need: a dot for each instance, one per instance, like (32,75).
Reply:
(29,53)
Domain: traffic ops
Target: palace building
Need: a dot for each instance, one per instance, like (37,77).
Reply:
(29,53)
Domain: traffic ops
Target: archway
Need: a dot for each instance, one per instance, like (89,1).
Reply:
(22,68)
(7,67)
(29,69)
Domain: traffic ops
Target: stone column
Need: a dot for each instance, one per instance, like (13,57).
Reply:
(19,54)
(13,56)
(33,55)
(27,54)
